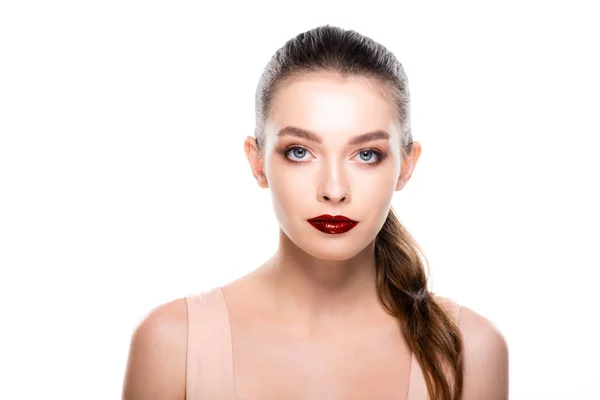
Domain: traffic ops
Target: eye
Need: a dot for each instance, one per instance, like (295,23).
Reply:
(296,151)
(368,155)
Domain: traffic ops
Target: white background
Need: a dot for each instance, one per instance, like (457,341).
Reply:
(123,181)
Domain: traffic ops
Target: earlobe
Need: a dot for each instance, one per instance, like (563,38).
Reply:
(404,175)
(255,161)
(401,182)
(262,181)
(408,165)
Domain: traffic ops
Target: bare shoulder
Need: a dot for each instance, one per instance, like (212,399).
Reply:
(157,355)
(485,357)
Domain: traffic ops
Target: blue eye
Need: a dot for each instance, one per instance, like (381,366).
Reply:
(367,155)
(297,151)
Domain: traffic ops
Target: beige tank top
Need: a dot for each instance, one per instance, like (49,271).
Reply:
(209,369)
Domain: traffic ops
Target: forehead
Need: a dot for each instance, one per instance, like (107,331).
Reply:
(332,106)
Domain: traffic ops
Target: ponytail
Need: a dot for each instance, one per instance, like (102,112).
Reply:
(430,332)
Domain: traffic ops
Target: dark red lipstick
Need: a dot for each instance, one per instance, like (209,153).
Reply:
(332,224)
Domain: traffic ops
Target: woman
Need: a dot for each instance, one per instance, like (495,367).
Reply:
(341,310)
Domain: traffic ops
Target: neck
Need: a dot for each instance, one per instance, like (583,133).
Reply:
(318,290)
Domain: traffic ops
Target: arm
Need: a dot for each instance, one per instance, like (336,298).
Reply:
(485,358)
(157,355)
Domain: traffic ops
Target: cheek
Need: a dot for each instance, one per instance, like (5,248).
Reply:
(375,196)
(291,189)
(377,184)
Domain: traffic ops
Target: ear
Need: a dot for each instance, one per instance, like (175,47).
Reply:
(408,166)
(256,161)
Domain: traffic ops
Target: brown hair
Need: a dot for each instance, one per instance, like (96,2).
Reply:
(430,332)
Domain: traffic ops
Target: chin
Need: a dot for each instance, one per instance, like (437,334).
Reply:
(331,247)
(329,255)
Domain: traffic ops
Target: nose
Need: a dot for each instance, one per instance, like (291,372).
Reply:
(334,186)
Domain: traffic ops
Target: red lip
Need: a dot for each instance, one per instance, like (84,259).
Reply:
(332,224)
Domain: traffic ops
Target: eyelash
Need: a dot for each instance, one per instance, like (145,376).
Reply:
(379,154)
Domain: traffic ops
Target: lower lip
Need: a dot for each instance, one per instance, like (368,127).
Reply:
(333,228)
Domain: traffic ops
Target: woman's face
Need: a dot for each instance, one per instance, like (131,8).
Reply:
(316,163)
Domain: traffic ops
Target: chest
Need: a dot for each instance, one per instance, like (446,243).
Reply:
(268,364)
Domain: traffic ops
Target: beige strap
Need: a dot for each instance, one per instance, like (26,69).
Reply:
(209,374)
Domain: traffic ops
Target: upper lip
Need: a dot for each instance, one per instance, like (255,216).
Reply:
(331,218)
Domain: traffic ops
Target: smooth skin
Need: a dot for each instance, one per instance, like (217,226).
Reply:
(307,324)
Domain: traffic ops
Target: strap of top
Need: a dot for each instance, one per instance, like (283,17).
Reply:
(417,389)
(209,374)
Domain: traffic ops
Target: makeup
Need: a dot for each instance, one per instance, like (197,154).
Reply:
(332,224)
(378,155)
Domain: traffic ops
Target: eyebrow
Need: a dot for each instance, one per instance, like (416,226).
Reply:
(358,139)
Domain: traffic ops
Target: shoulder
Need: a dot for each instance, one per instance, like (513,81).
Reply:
(157,355)
(485,357)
